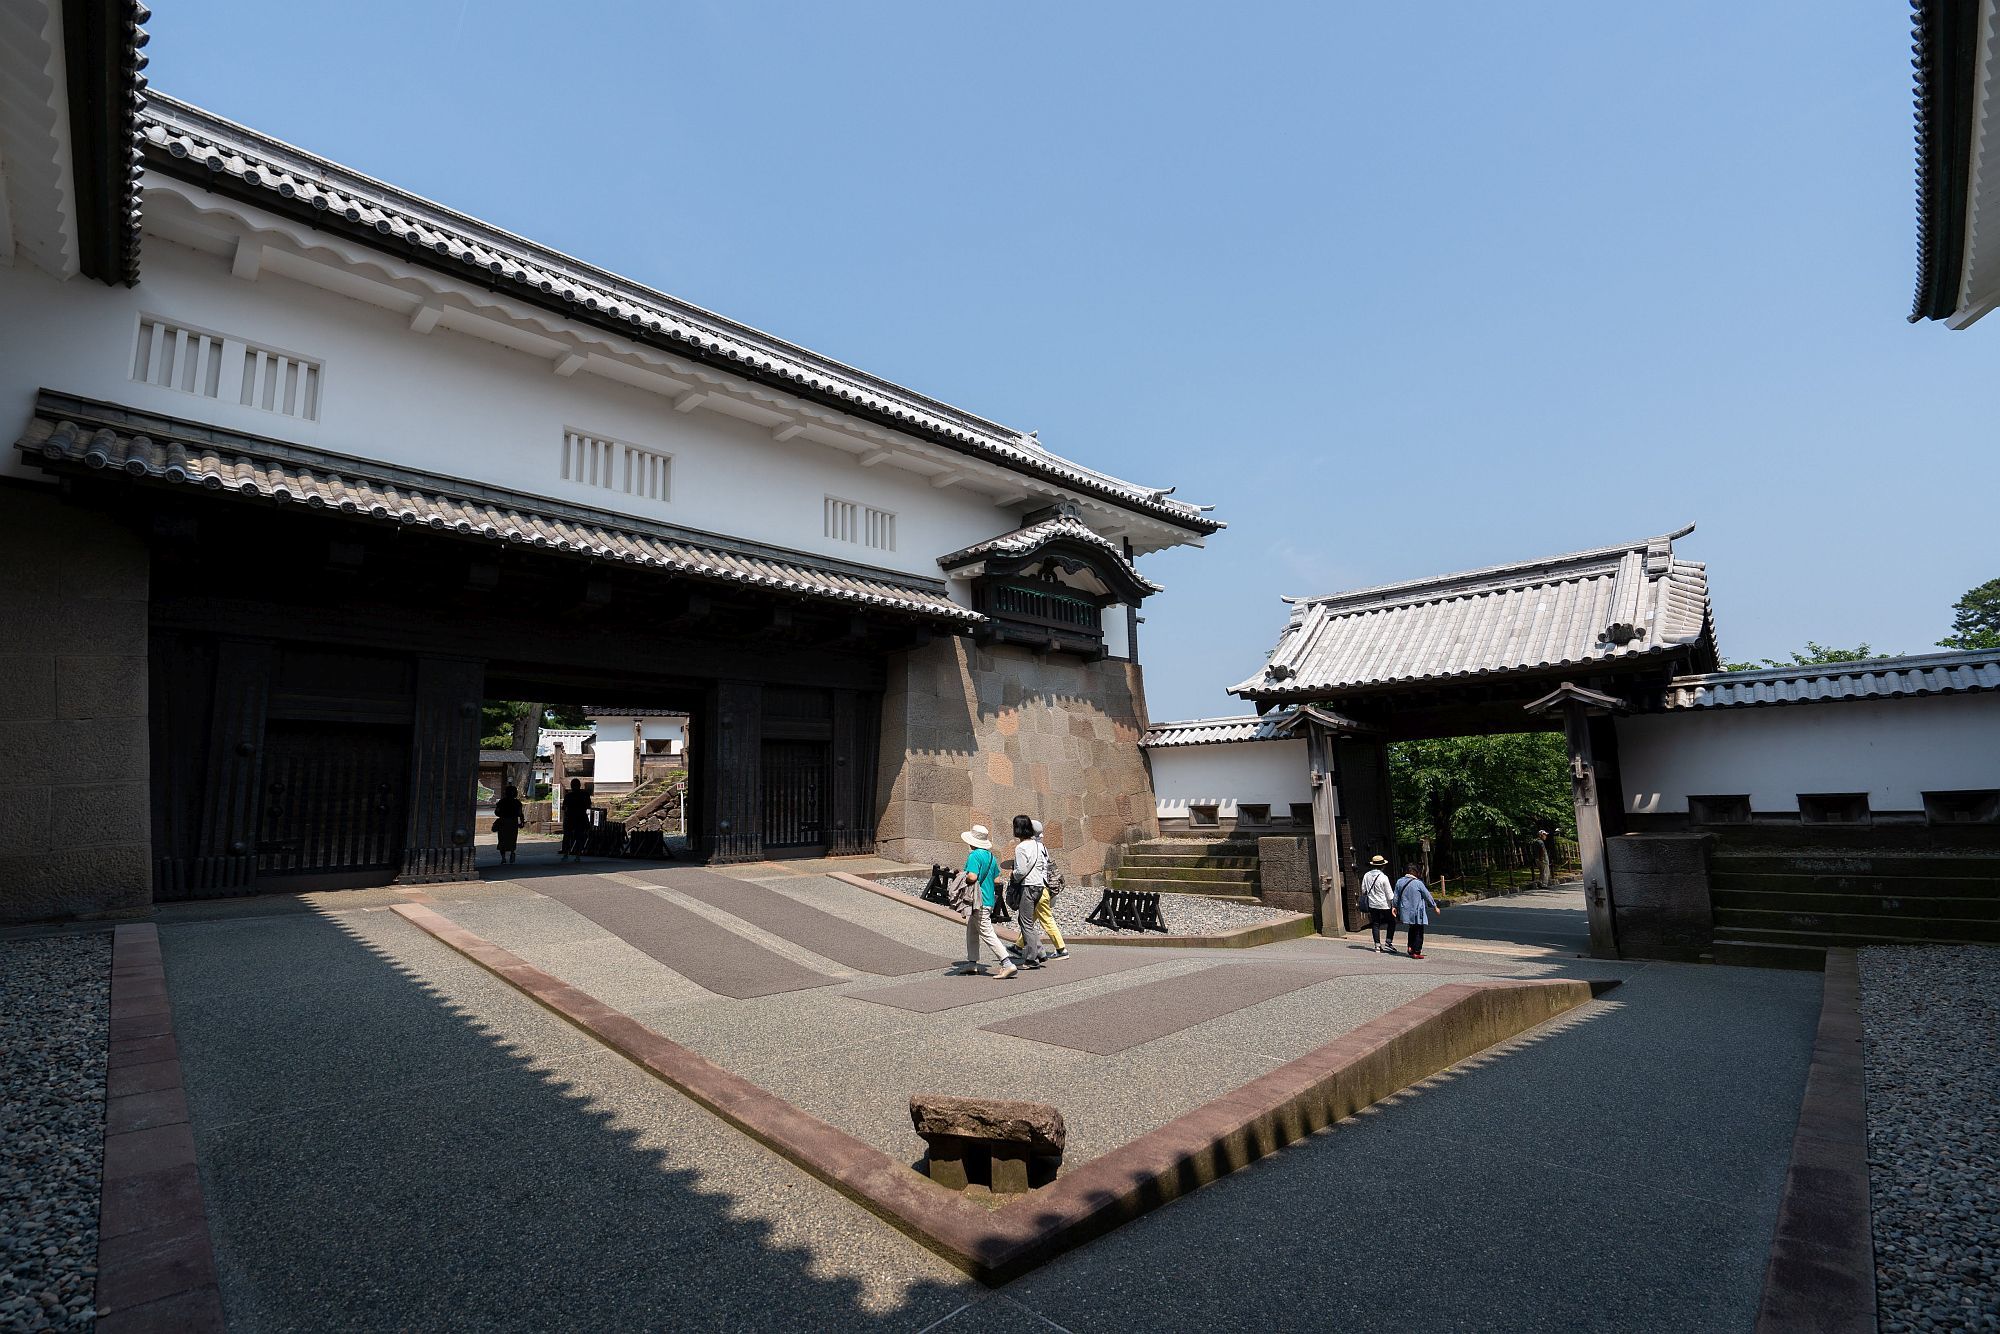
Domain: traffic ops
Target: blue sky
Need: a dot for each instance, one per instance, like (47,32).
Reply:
(1400,289)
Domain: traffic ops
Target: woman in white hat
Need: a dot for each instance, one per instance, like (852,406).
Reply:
(981,866)
(1378,896)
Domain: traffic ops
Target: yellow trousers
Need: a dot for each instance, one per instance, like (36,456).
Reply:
(1045,918)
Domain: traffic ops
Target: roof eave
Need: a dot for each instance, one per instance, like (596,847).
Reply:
(1945,36)
(102,67)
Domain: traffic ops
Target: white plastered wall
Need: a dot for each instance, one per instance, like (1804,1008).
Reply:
(462,406)
(1226,775)
(1895,750)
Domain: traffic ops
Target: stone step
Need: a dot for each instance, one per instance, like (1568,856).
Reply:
(1819,939)
(1189,860)
(1155,870)
(1852,928)
(1725,873)
(1195,847)
(1226,893)
(1761,954)
(1963,908)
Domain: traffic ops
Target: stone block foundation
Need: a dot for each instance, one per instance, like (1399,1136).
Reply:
(75,812)
(977,735)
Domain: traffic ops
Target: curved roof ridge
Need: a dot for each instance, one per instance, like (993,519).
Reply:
(1487,579)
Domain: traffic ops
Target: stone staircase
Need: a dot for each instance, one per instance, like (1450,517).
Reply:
(1219,869)
(1781,910)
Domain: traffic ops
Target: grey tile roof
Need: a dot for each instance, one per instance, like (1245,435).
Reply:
(1278,725)
(1876,678)
(1602,606)
(1023,540)
(1944,44)
(179,137)
(100,436)
(621,711)
(503,757)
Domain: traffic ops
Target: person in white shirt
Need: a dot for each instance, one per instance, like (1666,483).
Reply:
(1378,896)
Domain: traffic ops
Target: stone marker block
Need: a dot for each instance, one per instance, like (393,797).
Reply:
(1015,1141)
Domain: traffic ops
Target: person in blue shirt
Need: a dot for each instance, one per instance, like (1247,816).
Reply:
(1415,905)
(981,868)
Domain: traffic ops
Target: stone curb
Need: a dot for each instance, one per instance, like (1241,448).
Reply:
(1243,937)
(1410,1043)
(155,1262)
(1821,1275)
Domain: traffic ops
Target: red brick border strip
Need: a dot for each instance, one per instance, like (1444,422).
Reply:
(1409,1043)
(155,1265)
(1821,1276)
(1243,937)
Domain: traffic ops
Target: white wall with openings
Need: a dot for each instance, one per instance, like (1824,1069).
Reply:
(463,406)
(619,739)
(1894,750)
(1228,776)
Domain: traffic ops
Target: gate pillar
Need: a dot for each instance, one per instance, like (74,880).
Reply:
(444,767)
(1351,818)
(736,779)
(1578,705)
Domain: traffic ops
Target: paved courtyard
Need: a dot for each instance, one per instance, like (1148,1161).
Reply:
(388,1131)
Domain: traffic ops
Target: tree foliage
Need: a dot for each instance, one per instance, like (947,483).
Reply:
(500,720)
(1975,619)
(1812,655)
(1476,786)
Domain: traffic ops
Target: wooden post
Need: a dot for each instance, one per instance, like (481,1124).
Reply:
(1589,829)
(226,855)
(1329,920)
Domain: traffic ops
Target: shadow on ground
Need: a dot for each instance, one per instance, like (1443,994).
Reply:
(390,1138)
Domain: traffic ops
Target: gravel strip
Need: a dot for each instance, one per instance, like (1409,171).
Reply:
(1185,914)
(1930,1018)
(55,1013)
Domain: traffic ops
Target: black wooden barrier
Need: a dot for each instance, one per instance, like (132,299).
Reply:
(1128,910)
(938,890)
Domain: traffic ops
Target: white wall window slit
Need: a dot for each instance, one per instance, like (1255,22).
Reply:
(212,365)
(613,465)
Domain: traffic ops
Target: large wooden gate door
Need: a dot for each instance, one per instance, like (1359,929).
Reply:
(795,794)
(334,801)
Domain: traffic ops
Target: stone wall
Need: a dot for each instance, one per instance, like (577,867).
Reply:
(975,735)
(1660,907)
(75,815)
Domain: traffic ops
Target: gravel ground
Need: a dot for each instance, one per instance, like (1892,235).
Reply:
(1185,914)
(1931,1022)
(54,1018)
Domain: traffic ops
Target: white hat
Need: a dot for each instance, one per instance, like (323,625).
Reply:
(977,837)
(1038,827)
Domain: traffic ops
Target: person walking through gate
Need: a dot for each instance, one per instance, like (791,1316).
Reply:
(981,866)
(1378,896)
(508,817)
(575,820)
(1415,905)
(1045,913)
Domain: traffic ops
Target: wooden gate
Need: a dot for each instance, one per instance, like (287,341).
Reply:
(795,794)
(334,801)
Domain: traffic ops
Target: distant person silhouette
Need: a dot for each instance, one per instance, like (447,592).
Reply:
(575,820)
(508,817)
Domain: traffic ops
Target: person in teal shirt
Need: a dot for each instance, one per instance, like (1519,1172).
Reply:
(982,868)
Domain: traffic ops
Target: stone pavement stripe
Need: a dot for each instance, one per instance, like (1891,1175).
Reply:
(1336,1080)
(1131,1015)
(824,934)
(155,1262)
(709,955)
(934,994)
(1821,1276)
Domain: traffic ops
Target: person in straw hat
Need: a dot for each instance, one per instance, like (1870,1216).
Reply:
(1378,896)
(981,866)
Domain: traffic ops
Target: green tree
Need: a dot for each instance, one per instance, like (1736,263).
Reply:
(1812,655)
(1471,787)
(1975,619)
